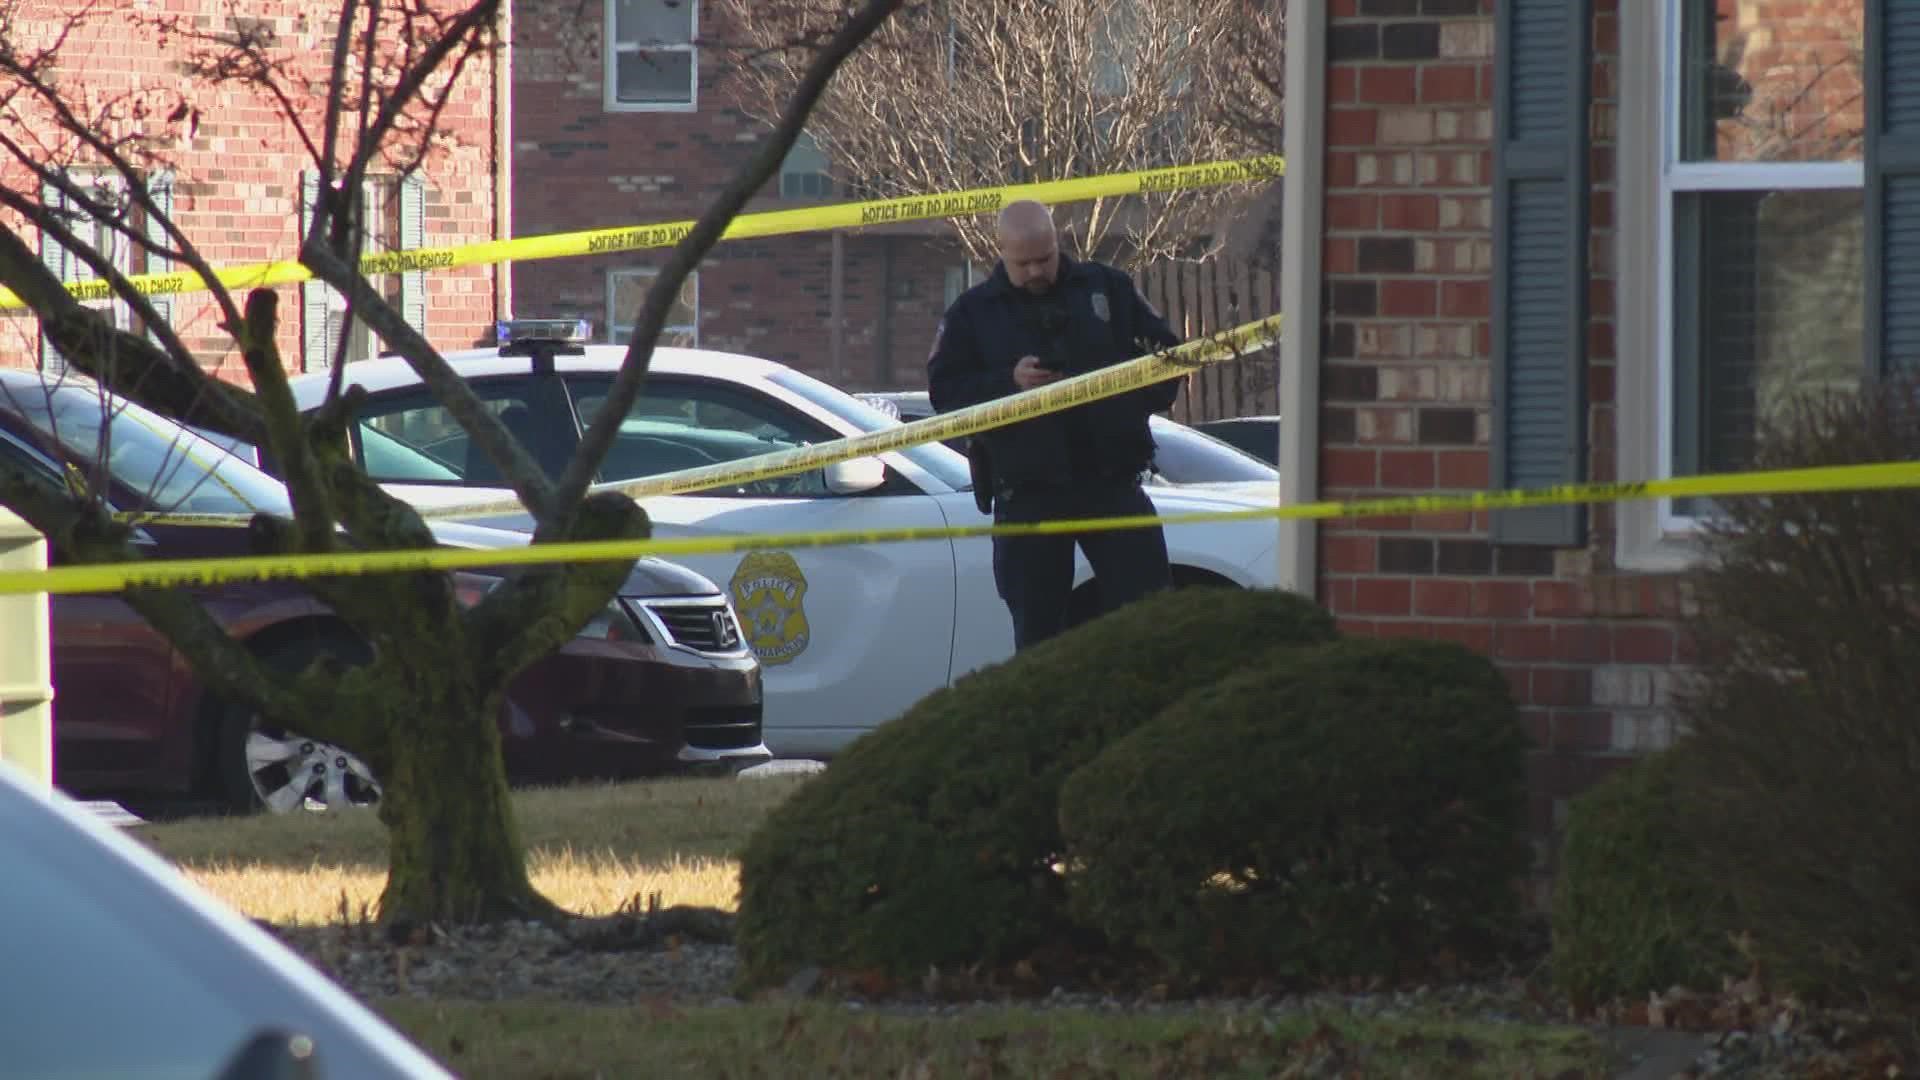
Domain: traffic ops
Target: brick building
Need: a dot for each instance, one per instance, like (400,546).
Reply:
(234,184)
(1564,240)
(606,133)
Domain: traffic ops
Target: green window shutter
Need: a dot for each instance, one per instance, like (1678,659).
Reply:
(160,190)
(316,350)
(1893,186)
(413,236)
(55,257)
(1543,63)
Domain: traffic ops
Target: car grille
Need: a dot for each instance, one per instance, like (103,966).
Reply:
(723,727)
(706,626)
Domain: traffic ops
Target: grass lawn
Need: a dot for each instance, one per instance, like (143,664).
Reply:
(825,1040)
(590,849)
(595,849)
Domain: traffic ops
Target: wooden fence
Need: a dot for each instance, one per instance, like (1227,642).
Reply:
(1200,298)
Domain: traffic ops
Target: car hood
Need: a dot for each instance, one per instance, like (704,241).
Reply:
(1261,492)
(1202,498)
(648,577)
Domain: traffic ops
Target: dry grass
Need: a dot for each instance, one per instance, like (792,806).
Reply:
(594,849)
(591,849)
(551,1041)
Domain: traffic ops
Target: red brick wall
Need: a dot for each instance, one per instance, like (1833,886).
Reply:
(237,179)
(578,166)
(1408,257)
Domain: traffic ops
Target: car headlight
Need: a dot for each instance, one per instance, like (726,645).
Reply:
(613,624)
(469,588)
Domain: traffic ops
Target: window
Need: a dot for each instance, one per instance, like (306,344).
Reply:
(652,61)
(804,174)
(411,438)
(1741,237)
(685,424)
(1764,216)
(943,461)
(627,290)
(1116,44)
(109,190)
(391,214)
(958,280)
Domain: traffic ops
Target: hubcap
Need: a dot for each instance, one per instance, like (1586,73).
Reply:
(291,772)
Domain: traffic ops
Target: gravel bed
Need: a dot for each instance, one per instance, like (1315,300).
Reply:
(514,960)
(621,960)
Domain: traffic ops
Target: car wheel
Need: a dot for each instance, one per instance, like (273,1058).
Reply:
(281,771)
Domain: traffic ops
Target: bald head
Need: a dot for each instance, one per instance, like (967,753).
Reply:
(1029,245)
(1025,218)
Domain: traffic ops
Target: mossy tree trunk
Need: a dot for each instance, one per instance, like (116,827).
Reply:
(424,712)
(454,847)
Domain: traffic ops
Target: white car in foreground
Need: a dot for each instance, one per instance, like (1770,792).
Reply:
(848,637)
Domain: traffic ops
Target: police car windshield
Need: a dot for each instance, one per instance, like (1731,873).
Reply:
(940,460)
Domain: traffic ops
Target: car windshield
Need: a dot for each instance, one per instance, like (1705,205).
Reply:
(164,465)
(1182,455)
(942,461)
(391,459)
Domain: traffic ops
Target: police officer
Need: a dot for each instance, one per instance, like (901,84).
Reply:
(1041,317)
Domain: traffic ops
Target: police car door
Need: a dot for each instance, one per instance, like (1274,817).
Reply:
(847,636)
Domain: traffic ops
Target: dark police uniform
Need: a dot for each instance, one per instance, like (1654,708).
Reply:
(1082,462)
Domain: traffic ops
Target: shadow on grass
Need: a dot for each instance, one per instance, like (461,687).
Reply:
(648,822)
(527,1039)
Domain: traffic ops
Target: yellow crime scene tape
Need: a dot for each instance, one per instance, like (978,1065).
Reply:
(1118,379)
(1075,390)
(1068,392)
(745,226)
(179,573)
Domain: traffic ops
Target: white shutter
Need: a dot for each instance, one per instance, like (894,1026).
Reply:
(316,350)
(160,190)
(54,256)
(413,236)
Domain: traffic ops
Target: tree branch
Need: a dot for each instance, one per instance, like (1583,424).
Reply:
(312,507)
(599,436)
(528,480)
(147,374)
(82,532)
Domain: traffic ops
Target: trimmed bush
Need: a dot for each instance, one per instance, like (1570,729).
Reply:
(932,840)
(1632,913)
(1347,811)
(1800,786)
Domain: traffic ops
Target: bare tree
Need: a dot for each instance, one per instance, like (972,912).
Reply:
(1246,84)
(365,89)
(978,93)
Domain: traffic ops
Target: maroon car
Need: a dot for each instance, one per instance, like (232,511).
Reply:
(661,682)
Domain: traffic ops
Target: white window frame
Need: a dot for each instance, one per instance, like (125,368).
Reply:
(806,151)
(620,331)
(613,47)
(1651,535)
(379,195)
(105,239)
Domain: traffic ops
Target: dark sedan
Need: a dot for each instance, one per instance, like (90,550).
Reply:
(660,682)
(1257,435)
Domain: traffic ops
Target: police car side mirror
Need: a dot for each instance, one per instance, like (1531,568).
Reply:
(856,476)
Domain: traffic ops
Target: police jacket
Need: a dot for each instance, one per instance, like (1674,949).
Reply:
(1093,317)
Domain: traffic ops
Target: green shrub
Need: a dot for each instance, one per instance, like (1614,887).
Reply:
(1632,912)
(1802,793)
(932,840)
(1351,810)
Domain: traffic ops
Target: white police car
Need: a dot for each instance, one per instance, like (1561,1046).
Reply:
(848,637)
